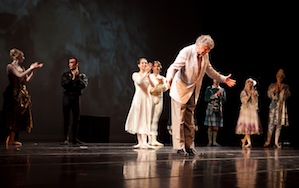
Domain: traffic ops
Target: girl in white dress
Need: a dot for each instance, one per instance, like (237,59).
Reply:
(248,121)
(139,116)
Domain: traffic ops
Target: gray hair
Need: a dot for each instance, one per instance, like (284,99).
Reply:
(205,40)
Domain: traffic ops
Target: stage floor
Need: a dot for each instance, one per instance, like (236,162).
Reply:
(45,165)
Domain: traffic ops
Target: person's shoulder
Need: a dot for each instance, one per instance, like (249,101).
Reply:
(82,74)
(135,74)
(243,91)
(286,86)
(160,76)
(208,89)
(9,66)
(188,47)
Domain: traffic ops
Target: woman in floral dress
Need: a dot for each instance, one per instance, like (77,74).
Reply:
(248,122)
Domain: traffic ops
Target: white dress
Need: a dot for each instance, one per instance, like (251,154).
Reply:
(248,121)
(139,116)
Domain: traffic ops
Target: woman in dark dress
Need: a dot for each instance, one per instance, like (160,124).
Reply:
(17,102)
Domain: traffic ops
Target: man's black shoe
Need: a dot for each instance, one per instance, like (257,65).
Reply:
(66,142)
(191,151)
(78,142)
(182,152)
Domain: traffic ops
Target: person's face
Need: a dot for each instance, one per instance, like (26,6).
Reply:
(203,49)
(156,68)
(73,64)
(279,78)
(21,58)
(143,64)
(249,84)
(215,82)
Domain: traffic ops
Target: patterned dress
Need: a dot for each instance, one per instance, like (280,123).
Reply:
(139,116)
(214,113)
(17,105)
(248,121)
(278,114)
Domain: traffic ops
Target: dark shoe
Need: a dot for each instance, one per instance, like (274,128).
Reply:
(66,142)
(217,145)
(182,152)
(191,151)
(209,145)
(78,142)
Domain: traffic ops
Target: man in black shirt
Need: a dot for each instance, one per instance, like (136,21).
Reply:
(73,83)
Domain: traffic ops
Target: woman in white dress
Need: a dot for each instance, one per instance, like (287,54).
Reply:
(248,122)
(139,116)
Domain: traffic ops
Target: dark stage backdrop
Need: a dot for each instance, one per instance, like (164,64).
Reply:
(109,36)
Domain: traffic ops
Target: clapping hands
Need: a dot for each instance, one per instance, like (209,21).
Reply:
(219,92)
(160,80)
(36,65)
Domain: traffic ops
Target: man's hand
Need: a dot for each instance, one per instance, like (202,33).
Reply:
(75,72)
(168,83)
(230,82)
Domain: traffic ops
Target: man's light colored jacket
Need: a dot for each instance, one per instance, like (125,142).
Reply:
(186,78)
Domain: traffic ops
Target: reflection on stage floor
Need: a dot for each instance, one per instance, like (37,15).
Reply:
(43,165)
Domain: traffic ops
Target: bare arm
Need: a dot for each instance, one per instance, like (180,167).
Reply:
(10,68)
(28,73)
(29,76)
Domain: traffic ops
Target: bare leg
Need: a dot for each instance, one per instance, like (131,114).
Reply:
(210,136)
(277,134)
(215,132)
(268,141)
(243,141)
(10,140)
(248,141)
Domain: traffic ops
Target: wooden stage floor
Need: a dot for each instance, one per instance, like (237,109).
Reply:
(117,165)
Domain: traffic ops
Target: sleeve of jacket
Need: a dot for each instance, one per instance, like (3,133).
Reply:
(208,94)
(223,96)
(66,80)
(82,80)
(179,62)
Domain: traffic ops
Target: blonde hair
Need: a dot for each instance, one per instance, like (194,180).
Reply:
(15,53)
(158,62)
(280,73)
